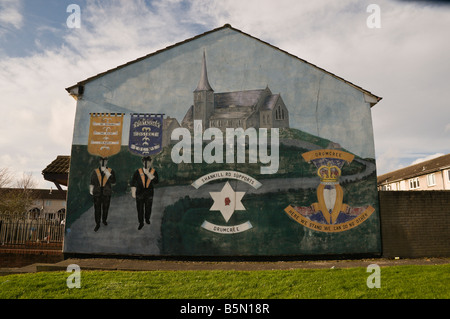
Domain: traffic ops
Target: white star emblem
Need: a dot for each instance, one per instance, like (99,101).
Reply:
(227,201)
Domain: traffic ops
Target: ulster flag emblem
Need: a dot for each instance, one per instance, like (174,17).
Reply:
(227,201)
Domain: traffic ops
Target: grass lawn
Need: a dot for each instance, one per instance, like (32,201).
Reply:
(399,282)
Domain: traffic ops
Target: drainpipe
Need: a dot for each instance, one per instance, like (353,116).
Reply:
(443,178)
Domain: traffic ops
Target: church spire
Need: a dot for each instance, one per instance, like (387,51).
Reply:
(203,84)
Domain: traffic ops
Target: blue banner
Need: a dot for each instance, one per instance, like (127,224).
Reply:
(145,134)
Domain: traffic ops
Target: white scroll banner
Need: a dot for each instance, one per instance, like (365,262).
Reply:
(226,229)
(226,174)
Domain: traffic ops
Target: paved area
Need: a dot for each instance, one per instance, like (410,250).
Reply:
(174,265)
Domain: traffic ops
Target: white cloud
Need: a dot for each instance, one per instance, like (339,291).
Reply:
(32,89)
(10,15)
(119,31)
(389,161)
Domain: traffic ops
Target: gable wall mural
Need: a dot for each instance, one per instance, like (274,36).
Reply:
(222,145)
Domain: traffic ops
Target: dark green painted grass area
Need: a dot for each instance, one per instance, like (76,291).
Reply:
(396,282)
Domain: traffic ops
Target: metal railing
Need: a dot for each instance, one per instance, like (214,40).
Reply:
(22,231)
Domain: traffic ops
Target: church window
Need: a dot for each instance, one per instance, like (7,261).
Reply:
(279,113)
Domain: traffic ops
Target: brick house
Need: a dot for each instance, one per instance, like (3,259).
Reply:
(433,174)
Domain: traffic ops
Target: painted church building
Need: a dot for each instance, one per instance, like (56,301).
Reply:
(250,108)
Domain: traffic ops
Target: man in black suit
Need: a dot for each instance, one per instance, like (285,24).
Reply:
(102,179)
(142,189)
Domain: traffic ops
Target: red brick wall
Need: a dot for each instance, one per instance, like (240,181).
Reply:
(15,258)
(415,223)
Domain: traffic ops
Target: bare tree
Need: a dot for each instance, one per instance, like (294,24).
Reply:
(26,182)
(6,177)
(15,200)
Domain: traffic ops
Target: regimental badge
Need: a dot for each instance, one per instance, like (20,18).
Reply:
(105,134)
(145,134)
(227,201)
(329,213)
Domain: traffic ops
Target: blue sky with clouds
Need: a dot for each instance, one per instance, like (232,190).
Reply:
(405,61)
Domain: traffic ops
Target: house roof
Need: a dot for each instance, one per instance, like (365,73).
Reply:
(35,193)
(74,89)
(58,170)
(416,170)
(59,165)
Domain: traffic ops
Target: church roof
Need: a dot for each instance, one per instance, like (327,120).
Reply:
(237,113)
(238,104)
(203,83)
(238,98)
(270,102)
(189,116)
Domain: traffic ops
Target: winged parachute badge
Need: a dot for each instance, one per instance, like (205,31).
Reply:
(329,213)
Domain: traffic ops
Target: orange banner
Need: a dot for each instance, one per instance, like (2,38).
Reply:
(337,154)
(105,134)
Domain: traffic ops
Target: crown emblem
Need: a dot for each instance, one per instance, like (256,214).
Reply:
(328,163)
(329,173)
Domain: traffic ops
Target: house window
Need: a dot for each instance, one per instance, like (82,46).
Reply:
(414,183)
(431,180)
